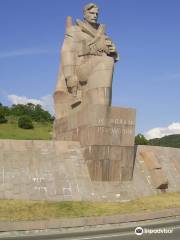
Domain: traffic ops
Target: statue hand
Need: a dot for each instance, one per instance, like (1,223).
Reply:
(111,46)
(72,84)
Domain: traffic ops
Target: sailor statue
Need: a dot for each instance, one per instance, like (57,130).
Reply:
(87,61)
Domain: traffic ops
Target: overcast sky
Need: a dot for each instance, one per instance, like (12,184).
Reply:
(146,34)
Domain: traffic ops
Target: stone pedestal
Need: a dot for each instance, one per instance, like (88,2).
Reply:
(107,135)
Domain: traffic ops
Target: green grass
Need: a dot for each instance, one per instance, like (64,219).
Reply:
(41,131)
(16,210)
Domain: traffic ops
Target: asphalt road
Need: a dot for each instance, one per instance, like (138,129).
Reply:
(129,236)
(127,233)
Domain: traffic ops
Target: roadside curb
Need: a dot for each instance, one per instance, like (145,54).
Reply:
(87,221)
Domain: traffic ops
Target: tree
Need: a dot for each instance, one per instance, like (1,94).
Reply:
(40,115)
(35,112)
(4,110)
(18,110)
(25,122)
(3,113)
(141,140)
(2,119)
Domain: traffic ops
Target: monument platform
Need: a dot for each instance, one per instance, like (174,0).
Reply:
(107,136)
(57,171)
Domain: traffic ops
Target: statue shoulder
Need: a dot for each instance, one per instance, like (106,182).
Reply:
(73,31)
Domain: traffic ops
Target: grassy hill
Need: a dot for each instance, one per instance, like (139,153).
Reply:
(38,121)
(167,141)
(41,131)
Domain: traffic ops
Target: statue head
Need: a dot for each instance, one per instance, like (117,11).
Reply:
(91,12)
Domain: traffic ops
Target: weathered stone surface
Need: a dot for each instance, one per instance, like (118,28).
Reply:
(159,179)
(42,170)
(107,135)
(150,160)
(57,170)
(157,174)
(177,165)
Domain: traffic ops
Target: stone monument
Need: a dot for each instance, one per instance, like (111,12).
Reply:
(92,156)
(83,101)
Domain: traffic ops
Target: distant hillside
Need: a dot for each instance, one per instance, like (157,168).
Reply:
(41,131)
(167,141)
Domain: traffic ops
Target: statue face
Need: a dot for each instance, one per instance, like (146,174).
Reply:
(91,15)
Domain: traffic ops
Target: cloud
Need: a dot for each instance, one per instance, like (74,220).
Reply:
(25,52)
(46,101)
(173,128)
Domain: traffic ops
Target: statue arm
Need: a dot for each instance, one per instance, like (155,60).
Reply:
(68,62)
(103,44)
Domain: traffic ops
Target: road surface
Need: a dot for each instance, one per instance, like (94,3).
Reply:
(171,229)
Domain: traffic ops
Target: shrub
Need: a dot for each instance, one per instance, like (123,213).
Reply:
(3,119)
(25,122)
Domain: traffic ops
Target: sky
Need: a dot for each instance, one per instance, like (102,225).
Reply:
(146,35)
